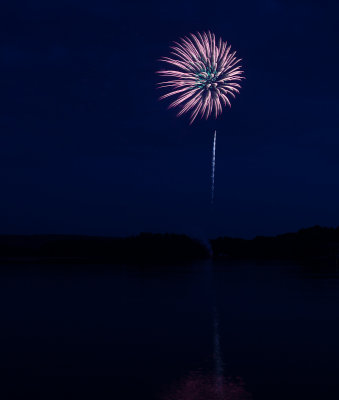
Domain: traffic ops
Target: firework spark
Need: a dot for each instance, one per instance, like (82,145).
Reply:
(205,75)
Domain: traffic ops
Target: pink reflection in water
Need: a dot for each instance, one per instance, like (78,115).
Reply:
(201,387)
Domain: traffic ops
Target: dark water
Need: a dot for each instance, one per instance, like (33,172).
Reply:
(229,332)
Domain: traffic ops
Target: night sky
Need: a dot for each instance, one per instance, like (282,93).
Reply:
(86,146)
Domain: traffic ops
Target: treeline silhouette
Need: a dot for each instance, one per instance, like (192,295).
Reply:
(145,247)
(311,244)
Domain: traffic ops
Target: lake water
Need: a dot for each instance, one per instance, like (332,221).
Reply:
(229,331)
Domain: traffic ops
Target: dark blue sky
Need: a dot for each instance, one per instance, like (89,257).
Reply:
(86,147)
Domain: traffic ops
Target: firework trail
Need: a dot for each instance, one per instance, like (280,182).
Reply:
(213,166)
(203,74)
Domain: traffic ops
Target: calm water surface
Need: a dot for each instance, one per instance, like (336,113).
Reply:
(207,331)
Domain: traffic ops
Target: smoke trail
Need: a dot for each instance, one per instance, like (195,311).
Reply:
(213,166)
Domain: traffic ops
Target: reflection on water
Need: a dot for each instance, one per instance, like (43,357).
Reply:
(197,386)
(213,386)
(146,333)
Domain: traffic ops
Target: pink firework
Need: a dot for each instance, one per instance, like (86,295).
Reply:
(204,77)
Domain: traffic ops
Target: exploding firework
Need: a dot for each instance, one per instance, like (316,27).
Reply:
(206,74)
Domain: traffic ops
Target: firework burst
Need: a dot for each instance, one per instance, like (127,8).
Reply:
(205,75)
